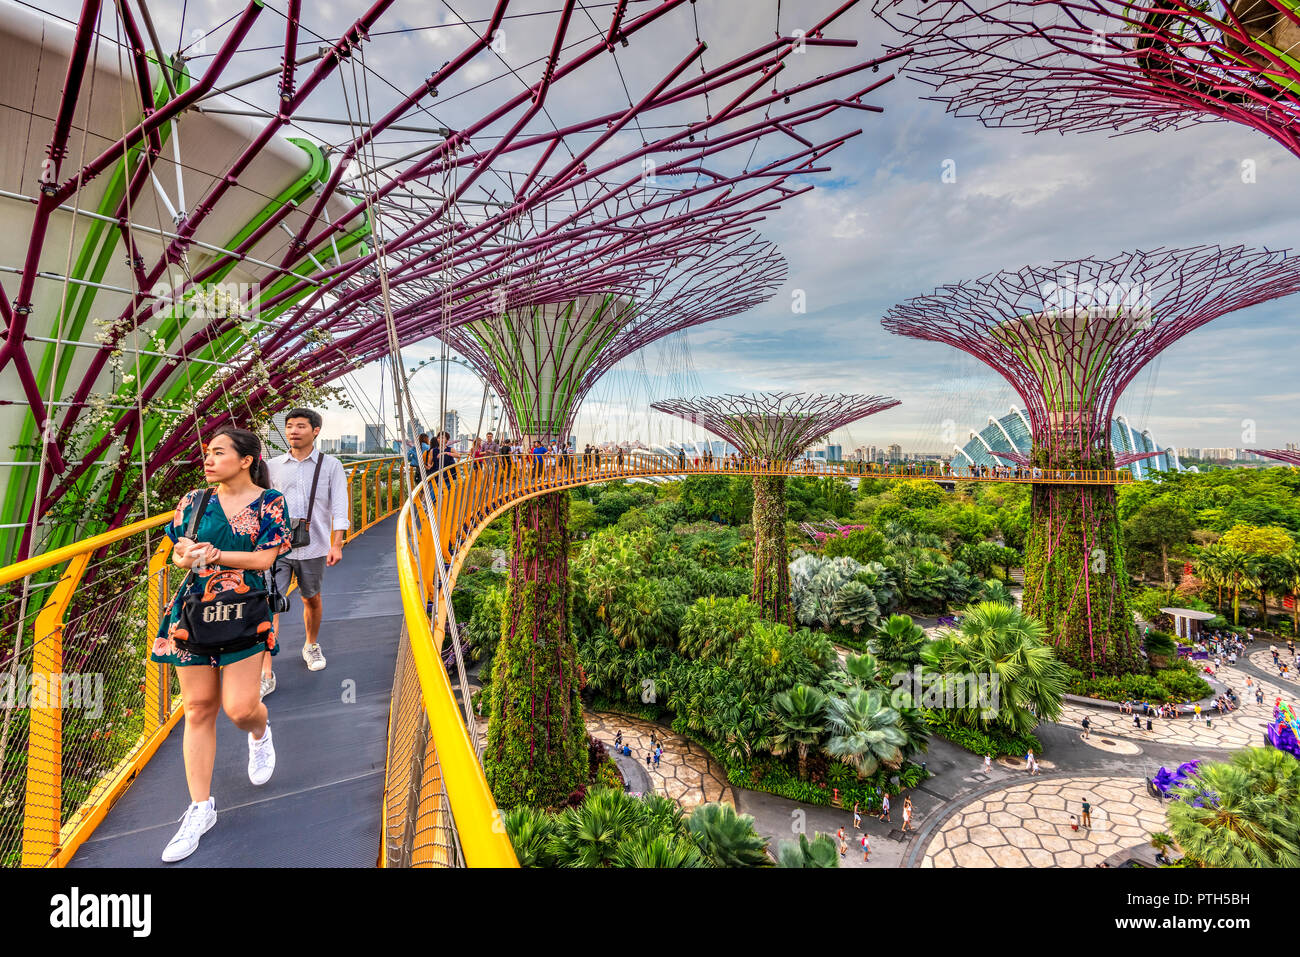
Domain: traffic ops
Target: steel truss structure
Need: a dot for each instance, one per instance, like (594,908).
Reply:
(1069,337)
(1289,456)
(484,220)
(771,429)
(1081,65)
(776,426)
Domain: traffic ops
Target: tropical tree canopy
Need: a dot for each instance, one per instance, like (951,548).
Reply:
(1240,813)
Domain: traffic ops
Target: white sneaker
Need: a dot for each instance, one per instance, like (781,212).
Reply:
(196,822)
(267,685)
(261,757)
(314,657)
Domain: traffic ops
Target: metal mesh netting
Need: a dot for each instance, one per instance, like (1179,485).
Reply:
(417,818)
(80,700)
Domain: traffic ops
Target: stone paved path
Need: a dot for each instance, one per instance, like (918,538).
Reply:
(685,773)
(1240,729)
(1263,660)
(1028,824)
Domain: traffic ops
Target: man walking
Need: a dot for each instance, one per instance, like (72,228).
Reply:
(316,491)
(1087,813)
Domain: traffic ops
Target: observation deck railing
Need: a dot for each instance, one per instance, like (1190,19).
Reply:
(436,797)
(82,709)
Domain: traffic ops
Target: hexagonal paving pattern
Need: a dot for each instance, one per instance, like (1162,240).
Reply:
(1239,729)
(685,773)
(1031,827)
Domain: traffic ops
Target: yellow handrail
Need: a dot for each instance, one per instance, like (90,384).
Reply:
(46,840)
(478,820)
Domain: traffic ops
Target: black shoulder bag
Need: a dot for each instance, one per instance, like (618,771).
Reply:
(300,536)
(228,615)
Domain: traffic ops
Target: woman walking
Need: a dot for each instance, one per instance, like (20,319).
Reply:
(239,532)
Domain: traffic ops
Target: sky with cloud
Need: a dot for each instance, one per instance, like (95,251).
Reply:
(885,226)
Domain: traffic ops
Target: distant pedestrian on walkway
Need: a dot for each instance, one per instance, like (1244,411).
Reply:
(866,848)
(988,763)
(1087,727)
(649,757)
(1029,761)
(884,809)
(857,816)
(618,738)
(657,753)
(1087,814)
(907,814)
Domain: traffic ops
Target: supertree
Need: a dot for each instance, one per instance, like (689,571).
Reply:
(543,357)
(1289,456)
(772,429)
(1069,338)
(1080,65)
(171,189)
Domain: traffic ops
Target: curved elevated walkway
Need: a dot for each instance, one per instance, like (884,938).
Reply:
(321,807)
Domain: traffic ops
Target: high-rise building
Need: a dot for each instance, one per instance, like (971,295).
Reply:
(375,440)
(348,445)
(834,453)
(274,435)
(328,446)
(451,422)
(895,453)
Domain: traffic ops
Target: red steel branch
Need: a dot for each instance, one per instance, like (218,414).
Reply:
(777,426)
(685,248)
(1081,65)
(1070,336)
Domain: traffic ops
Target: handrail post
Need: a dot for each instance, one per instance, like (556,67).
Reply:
(43,799)
(157,700)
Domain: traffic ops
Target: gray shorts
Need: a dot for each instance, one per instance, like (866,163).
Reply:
(308,571)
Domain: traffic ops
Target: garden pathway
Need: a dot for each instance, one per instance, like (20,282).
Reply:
(1028,824)
(685,773)
(1263,660)
(1240,729)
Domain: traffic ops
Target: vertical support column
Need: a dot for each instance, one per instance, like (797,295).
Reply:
(43,800)
(157,677)
(364,495)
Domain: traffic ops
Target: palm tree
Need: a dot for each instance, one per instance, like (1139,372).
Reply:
(1288,577)
(819,852)
(1269,577)
(1005,644)
(994,590)
(855,605)
(712,625)
(799,722)
(660,850)
(898,640)
(1242,813)
(1238,574)
(864,732)
(530,830)
(1209,566)
(727,838)
(589,835)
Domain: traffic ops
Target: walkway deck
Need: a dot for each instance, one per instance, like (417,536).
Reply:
(322,806)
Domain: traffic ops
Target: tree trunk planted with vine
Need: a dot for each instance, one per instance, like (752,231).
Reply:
(771,594)
(537,744)
(1075,582)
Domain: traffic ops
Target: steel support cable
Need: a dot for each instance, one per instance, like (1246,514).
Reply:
(43,428)
(405,408)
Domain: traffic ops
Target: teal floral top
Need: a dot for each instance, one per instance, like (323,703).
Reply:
(262,524)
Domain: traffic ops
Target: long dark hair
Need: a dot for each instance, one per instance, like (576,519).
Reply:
(246,443)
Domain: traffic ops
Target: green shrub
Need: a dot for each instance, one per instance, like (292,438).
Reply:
(992,741)
(1178,684)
